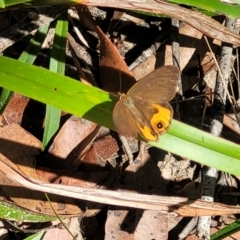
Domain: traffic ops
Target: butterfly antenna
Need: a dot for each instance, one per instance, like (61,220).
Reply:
(120,83)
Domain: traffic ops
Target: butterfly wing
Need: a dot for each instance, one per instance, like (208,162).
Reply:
(156,118)
(146,118)
(124,121)
(129,122)
(159,85)
(145,108)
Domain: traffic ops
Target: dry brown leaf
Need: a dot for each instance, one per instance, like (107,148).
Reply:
(141,176)
(145,67)
(71,178)
(152,225)
(63,151)
(21,148)
(57,234)
(114,72)
(195,47)
(177,205)
(103,149)
(231,123)
(15,108)
(203,23)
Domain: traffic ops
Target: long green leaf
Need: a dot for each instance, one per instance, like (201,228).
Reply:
(214,6)
(36,236)
(96,105)
(12,212)
(29,55)
(2,4)
(226,231)
(57,65)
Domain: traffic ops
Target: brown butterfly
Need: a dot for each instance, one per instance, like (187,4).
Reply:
(145,109)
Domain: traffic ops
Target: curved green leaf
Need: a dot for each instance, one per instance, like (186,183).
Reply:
(96,105)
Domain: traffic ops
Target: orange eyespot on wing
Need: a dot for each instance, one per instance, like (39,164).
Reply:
(145,108)
(161,120)
(157,121)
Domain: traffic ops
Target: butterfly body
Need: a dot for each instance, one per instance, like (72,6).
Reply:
(145,108)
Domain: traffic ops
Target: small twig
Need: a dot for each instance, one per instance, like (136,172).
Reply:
(25,230)
(76,30)
(78,53)
(188,228)
(126,148)
(208,188)
(158,42)
(175,44)
(238,77)
(176,61)
(221,85)
(221,92)
(59,218)
(37,18)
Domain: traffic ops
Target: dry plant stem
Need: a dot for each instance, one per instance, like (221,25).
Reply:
(76,30)
(144,56)
(78,52)
(224,84)
(176,61)
(73,50)
(220,89)
(175,42)
(126,148)
(189,227)
(197,20)
(59,218)
(237,73)
(209,179)
(158,42)
(176,50)
(175,205)
(13,227)
(117,16)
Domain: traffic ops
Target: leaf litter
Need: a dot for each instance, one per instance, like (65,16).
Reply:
(84,155)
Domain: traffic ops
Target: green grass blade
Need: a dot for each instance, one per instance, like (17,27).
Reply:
(96,105)
(215,6)
(8,3)
(226,231)
(5,97)
(36,236)
(29,55)
(201,147)
(57,61)
(59,218)
(12,212)
(2,4)
(55,89)
(22,3)
(52,121)
(57,64)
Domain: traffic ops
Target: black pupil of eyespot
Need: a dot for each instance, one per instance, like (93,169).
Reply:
(159,125)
